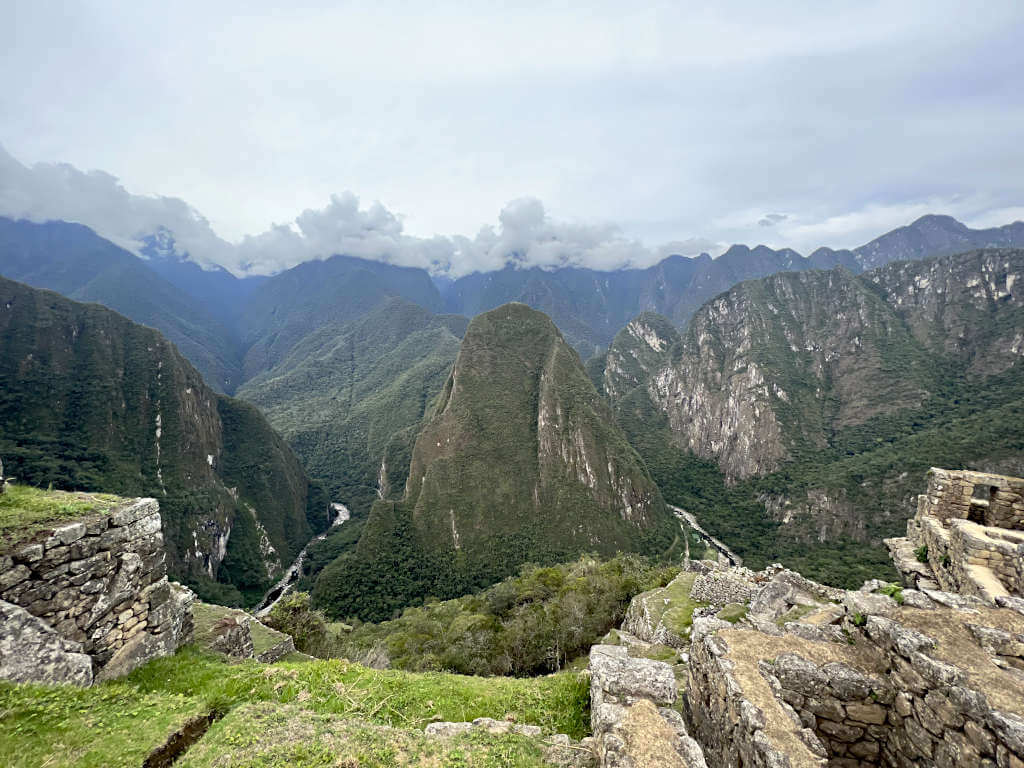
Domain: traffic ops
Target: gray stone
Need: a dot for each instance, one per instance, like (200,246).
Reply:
(31,651)
(128,513)
(799,674)
(1010,729)
(630,678)
(848,683)
(66,534)
(447,730)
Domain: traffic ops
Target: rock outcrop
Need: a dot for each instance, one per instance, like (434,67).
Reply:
(32,652)
(631,713)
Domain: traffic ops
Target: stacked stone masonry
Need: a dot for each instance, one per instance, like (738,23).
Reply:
(969,530)
(100,583)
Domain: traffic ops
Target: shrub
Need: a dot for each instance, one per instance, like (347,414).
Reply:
(921,553)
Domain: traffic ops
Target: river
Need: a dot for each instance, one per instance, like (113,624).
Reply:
(288,579)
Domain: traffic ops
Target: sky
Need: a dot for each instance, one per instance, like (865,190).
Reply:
(451,135)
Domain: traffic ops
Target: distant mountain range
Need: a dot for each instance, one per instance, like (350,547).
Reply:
(346,358)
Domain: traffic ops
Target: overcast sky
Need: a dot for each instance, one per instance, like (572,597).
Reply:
(454,132)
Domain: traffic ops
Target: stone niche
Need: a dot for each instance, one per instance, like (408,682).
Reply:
(95,586)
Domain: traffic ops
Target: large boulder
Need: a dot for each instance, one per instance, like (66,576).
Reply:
(31,651)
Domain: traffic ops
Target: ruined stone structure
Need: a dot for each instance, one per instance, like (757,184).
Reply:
(813,676)
(967,536)
(95,586)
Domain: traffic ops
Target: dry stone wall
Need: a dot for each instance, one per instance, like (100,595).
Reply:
(969,531)
(100,584)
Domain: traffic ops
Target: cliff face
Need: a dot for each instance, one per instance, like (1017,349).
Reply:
(638,351)
(770,370)
(91,401)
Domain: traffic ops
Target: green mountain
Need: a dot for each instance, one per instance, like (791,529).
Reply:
(92,401)
(519,461)
(76,262)
(286,308)
(797,413)
(350,397)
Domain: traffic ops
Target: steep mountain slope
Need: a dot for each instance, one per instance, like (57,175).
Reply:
(817,395)
(519,461)
(316,294)
(350,397)
(932,236)
(90,400)
(75,261)
(772,369)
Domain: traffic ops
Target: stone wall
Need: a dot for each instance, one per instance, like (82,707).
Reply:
(937,684)
(986,499)
(100,582)
(971,527)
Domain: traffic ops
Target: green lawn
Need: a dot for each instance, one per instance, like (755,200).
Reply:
(266,735)
(24,510)
(118,723)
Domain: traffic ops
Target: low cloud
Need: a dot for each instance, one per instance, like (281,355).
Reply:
(524,235)
(772,219)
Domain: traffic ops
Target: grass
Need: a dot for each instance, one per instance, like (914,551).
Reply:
(25,511)
(796,613)
(265,735)
(206,615)
(112,725)
(118,723)
(732,612)
(678,614)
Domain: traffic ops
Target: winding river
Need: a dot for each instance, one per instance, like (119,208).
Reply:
(290,576)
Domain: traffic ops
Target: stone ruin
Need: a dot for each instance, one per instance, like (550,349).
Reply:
(927,673)
(89,599)
(967,536)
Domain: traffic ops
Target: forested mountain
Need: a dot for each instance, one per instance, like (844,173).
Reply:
(809,399)
(76,262)
(92,401)
(349,397)
(519,460)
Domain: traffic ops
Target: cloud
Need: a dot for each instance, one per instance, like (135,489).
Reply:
(772,219)
(524,236)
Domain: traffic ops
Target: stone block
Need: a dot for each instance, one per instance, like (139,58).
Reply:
(866,713)
(31,651)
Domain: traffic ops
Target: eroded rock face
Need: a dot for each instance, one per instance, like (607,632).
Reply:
(31,651)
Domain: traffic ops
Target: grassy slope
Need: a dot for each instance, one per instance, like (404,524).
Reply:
(25,511)
(117,723)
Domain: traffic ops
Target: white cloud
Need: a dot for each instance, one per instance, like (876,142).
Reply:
(525,235)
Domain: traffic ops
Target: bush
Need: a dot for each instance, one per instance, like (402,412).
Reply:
(921,553)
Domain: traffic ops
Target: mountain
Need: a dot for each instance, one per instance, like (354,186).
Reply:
(315,294)
(217,290)
(74,261)
(90,400)
(519,460)
(793,409)
(933,235)
(350,396)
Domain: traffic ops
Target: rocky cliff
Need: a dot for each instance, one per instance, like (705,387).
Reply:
(91,401)
(773,368)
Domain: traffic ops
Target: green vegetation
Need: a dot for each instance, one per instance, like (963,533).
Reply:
(350,397)
(121,411)
(117,723)
(529,624)
(517,399)
(796,613)
(265,735)
(733,612)
(25,511)
(921,553)
(895,591)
